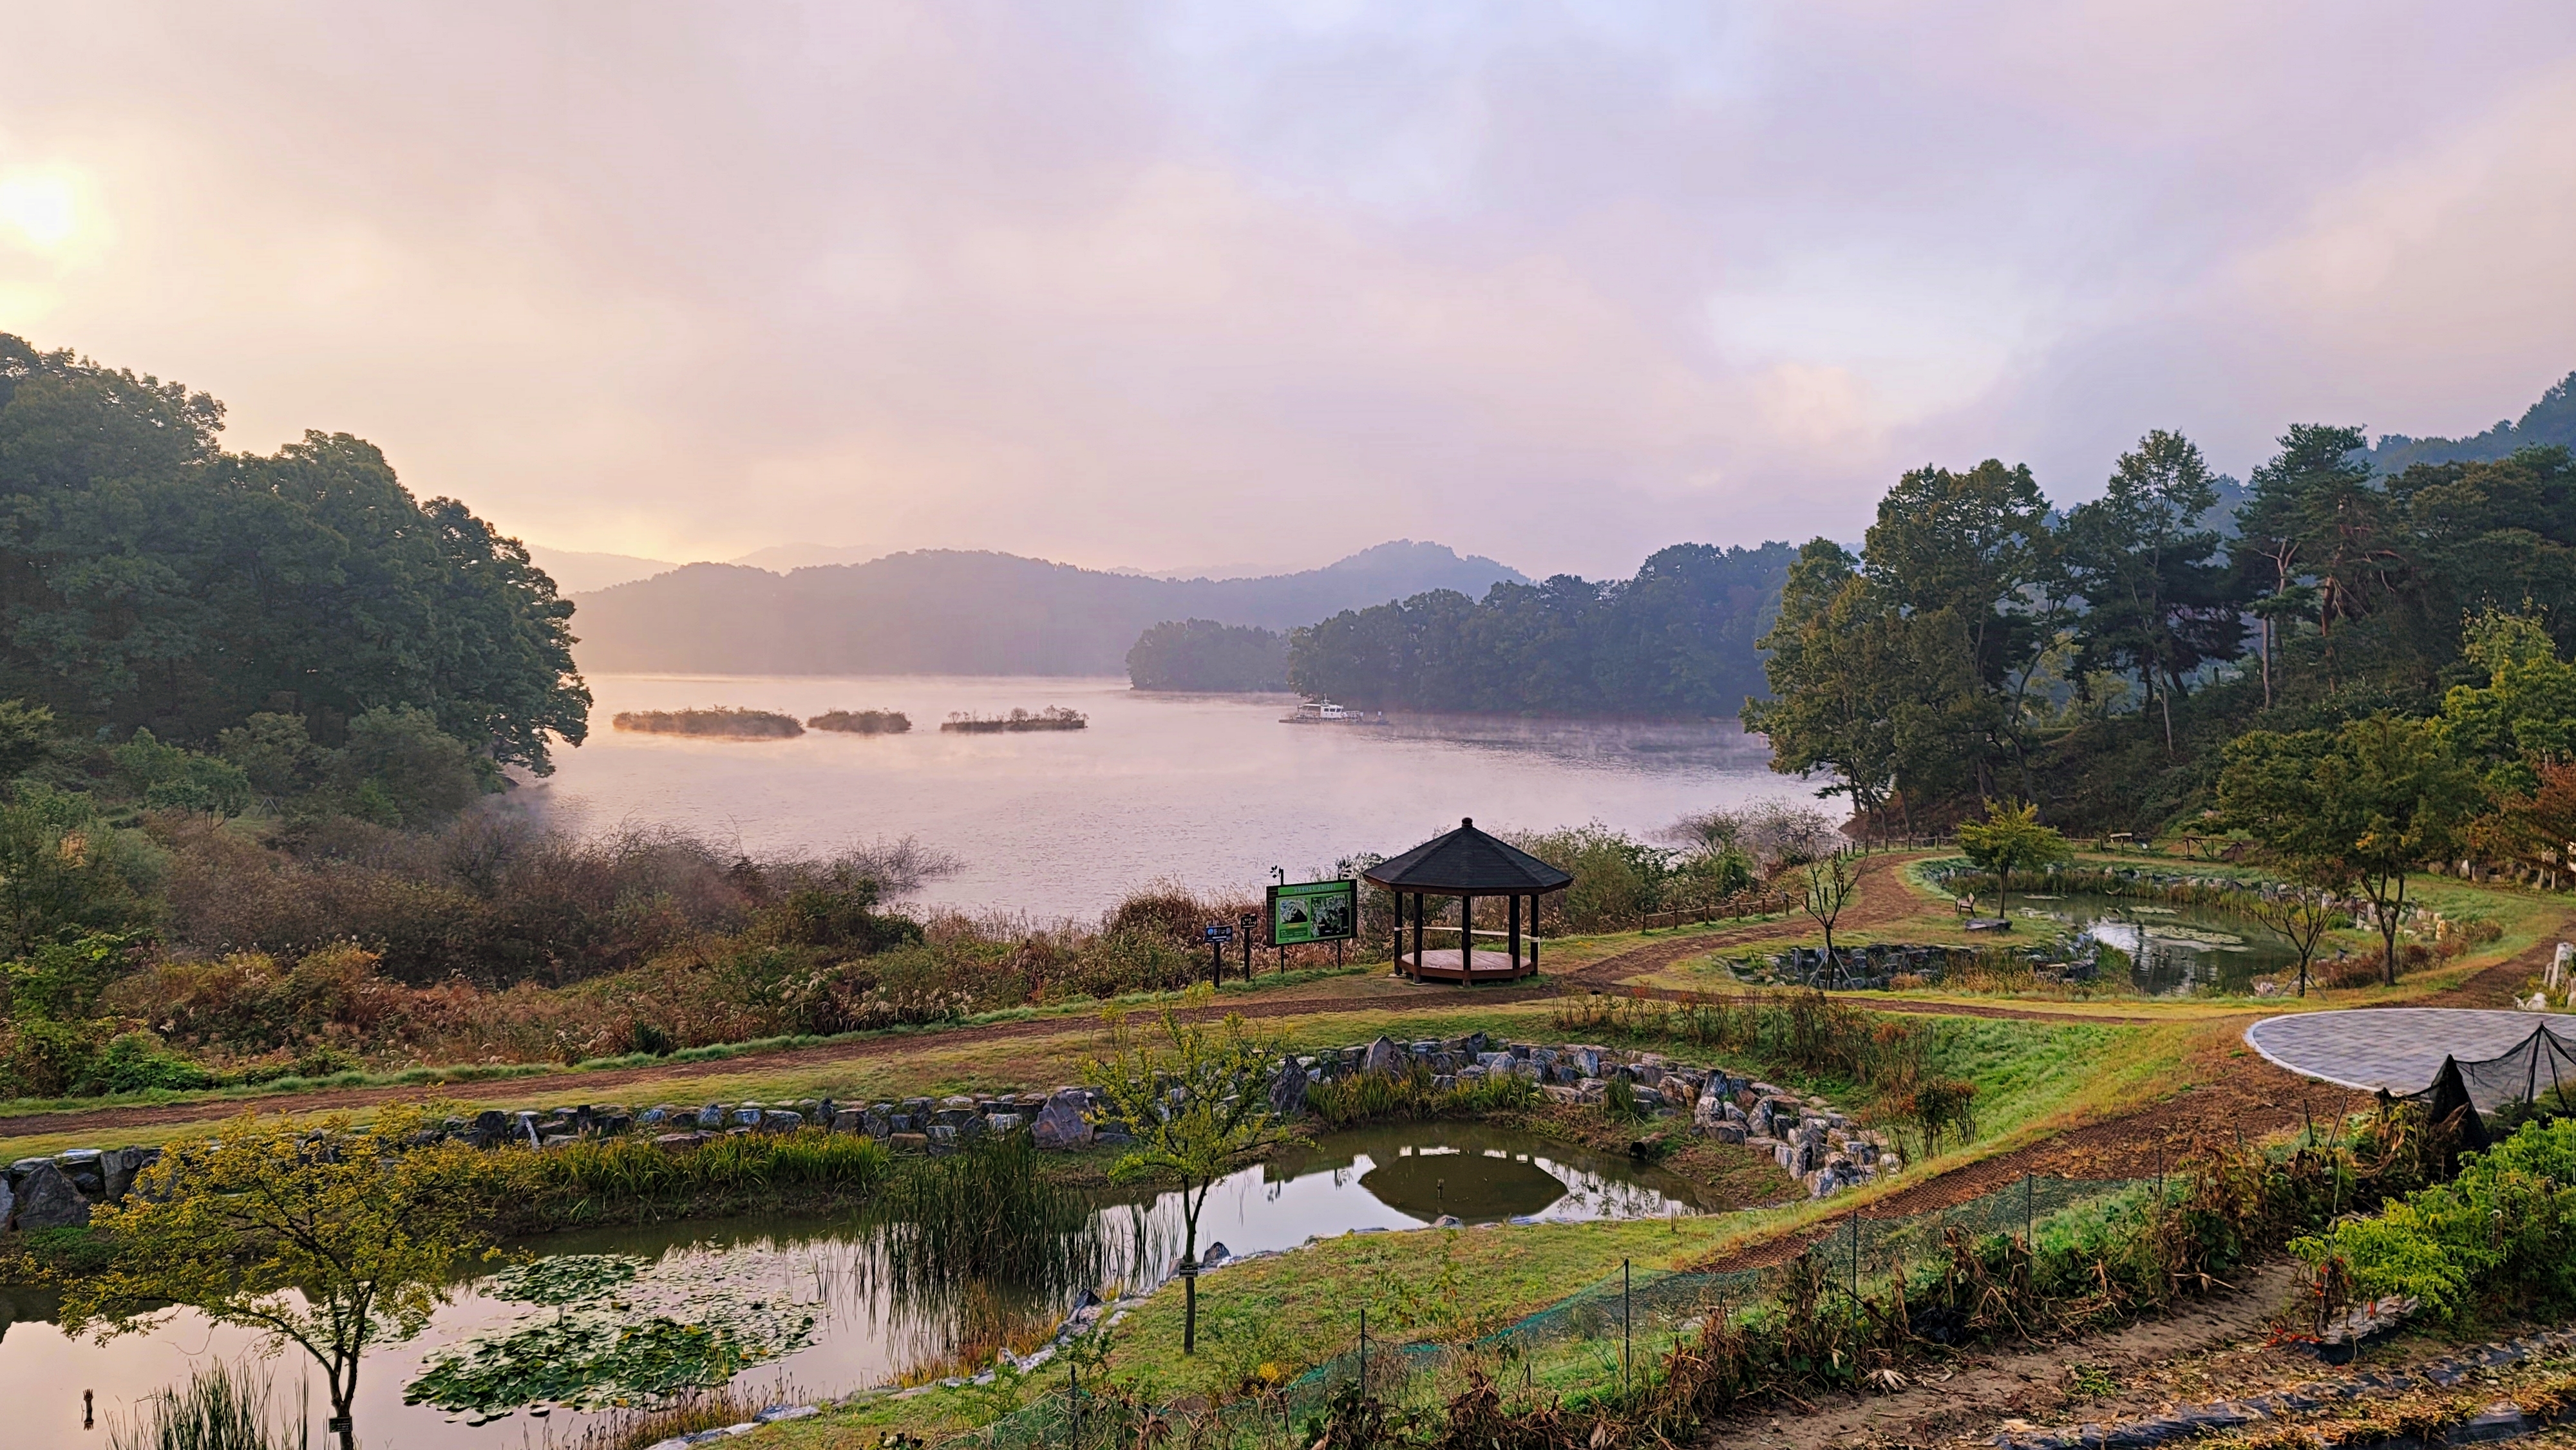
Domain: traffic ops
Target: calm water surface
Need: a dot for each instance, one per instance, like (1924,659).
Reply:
(2174,950)
(1207,790)
(1377,1178)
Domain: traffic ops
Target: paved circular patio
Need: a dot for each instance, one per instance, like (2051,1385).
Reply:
(2397,1048)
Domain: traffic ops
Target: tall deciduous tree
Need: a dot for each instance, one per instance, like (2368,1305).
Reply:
(325,1235)
(2373,801)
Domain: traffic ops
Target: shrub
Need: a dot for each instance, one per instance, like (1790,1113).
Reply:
(135,1062)
(2499,1231)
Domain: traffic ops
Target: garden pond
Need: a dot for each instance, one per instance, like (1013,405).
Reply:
(834,1309)
(2174,951)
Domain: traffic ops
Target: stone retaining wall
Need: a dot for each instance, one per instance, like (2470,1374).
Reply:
(1822,1147)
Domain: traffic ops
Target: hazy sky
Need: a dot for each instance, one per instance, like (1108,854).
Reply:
(1155,284)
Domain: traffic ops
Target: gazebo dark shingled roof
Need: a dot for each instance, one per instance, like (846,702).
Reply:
(1467,862)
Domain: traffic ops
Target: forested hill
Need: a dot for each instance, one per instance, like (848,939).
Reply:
(150,579)
(945,611)
(1675,642)
(2551,421)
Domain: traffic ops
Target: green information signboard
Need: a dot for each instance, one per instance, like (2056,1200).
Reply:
(1314,911)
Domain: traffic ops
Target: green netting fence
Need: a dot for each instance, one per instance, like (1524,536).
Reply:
(1601,1338)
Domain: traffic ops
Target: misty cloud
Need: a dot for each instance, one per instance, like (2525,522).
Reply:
(1159,284)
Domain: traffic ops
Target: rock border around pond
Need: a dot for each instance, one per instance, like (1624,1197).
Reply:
(1809,1139)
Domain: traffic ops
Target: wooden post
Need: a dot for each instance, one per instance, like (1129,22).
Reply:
(1419,902)
(1515,930)
(1466,940)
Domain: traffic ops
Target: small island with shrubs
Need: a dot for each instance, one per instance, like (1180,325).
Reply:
(723,722)
(862,722)
(1053,717)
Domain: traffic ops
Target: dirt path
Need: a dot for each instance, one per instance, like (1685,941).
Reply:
(1883,896)
(1975,1393)
(2234,1093)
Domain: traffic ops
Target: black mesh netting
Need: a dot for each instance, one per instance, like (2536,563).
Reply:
(2534,1077)
(1590,1335)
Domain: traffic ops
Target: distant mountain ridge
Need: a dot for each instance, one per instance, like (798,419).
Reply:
(2552,420)
(947,611)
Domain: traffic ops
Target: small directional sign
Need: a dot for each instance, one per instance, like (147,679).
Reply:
(1219,931)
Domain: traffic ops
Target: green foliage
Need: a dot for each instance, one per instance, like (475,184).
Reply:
(1676,641)
(64,873)
(326,1235)
(152,578)
(134,1062)
(603,1177)
(2498,1232)
(1413,1095)
(614,1332)
(988,1212)
(399,768)
(1619,1102)
(2010,839)
(1201,654)
(222,1407)
(2160,606)
(1198,1106)
(26,738)
(275,753)
(2525,714)
(167,778)
(2373,802)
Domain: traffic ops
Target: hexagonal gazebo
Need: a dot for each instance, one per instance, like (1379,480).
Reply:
(1466,864)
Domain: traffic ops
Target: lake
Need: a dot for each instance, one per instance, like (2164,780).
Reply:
(1388,1177)
(1209,791)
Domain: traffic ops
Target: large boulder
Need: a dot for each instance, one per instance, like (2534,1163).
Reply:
(1064,1122)
(1288,1090)
(47,1199)
(82,1167)
(120,1165)
(1383,1056)
(8,1205)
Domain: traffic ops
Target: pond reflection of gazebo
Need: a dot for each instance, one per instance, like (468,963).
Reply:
(1466,864)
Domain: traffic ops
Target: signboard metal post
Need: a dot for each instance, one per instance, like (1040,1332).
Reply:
(1218,934)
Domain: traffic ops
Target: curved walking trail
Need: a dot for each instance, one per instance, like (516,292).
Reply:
(1882,898)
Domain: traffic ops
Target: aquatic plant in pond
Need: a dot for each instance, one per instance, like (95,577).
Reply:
(988,1213)
(611,1332)
(222,1407)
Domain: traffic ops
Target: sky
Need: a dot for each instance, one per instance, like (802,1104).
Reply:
(1161,284)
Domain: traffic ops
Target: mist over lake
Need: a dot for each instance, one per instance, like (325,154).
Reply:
(1206,790)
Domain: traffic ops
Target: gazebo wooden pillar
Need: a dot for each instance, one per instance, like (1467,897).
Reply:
(1466,864)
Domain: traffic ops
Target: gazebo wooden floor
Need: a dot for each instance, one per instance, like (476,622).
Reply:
(1442,965)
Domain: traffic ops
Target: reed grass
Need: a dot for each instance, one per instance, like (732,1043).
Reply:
(989,1212)
(1412,1095)
(222,1407)
(590,1179)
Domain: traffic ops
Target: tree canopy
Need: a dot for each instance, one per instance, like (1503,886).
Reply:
(1675,642)
(150,579)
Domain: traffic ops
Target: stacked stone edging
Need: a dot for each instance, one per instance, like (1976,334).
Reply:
(2497,1422)
(1809,1139)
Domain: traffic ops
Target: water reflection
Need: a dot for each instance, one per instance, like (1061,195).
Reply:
(878,1319)
(1207,790)
(2174,950)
